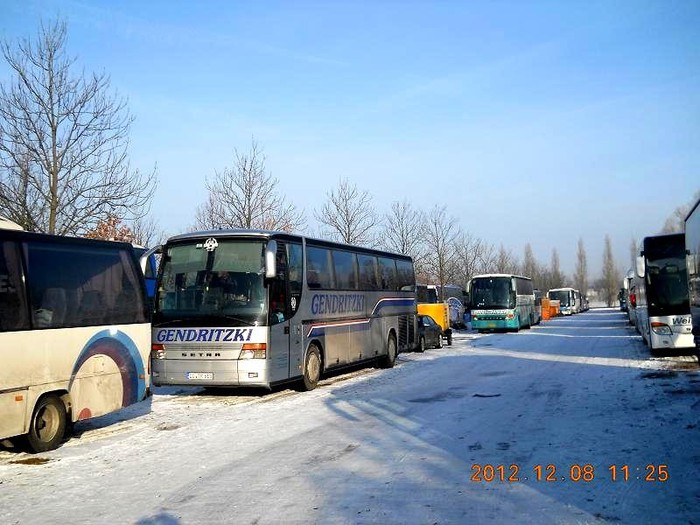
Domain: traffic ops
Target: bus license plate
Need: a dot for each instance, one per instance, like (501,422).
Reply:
(491,325)
(199,375)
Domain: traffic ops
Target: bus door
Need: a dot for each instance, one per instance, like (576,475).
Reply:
(285,327)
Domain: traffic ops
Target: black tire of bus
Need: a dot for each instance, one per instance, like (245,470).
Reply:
(389,360)
(449,339)
(312,368)
(48,424)
(421,344)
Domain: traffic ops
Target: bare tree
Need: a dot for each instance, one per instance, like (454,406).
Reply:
(581,273)
(633,252)
(676,222)
(557,277)
(440,233)
(147,232)
(348,215)
(611,275)
(506,262)
(530,266)
(400,232)
(246,196)
(63,143)
(470,255)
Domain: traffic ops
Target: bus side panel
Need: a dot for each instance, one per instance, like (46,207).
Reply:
(13,407)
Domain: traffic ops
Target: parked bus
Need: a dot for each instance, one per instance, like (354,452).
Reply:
(692,246)
(501,302)
(662,300)
(259,308)
(74,333)
(566,298)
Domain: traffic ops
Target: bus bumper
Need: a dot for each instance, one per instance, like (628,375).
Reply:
(250,372)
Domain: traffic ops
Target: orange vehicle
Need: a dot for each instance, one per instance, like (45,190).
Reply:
(427,304)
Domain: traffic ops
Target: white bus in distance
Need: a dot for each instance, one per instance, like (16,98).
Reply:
(569,300)
(255,308)
(74,334)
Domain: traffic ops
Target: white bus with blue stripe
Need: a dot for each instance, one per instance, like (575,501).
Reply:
(239,308)
(74,334)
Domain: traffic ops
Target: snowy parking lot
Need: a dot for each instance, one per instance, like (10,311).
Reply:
(571,421)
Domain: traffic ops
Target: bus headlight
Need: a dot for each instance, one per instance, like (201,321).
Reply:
(253,351)
(661,328)
(510,316)
(157,351)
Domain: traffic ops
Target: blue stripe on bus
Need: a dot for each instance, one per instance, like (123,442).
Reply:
(359,325)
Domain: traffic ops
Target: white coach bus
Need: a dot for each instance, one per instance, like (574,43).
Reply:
(568,302)
(258,308)
(74,333)
(662,298)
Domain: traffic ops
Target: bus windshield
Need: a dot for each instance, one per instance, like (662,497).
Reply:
(563,296)
(213,284)
(492,293)
(666,274)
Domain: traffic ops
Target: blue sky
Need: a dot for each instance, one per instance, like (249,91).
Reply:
(539,122)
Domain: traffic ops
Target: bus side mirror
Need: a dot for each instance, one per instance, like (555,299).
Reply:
(271,260)
(145,259)
(639,266)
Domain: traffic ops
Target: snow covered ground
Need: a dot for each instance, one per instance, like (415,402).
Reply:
(572,400)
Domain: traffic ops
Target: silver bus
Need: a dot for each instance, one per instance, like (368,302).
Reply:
(258,308)
(662,299)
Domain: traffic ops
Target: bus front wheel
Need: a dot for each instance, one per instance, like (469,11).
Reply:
(312,368)
(48,424)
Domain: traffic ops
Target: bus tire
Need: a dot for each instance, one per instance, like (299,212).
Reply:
(389,360)
(48,424)
(421,344)
(449,339)
(312,368)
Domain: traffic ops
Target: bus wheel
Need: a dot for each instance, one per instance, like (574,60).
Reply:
(48,424)
(312,367)
(389,359)
(421,344)
(449,339)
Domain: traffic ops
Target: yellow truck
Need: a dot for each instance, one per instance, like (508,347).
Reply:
(427,304)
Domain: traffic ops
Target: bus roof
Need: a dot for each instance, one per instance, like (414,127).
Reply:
(7,224)
(269,234)
(489,275)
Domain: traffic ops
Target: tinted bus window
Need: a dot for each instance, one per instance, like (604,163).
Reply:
(387,273)
(13,301)
(368,272)
(64,291)
(404,271)
(318,268)
(345,264)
